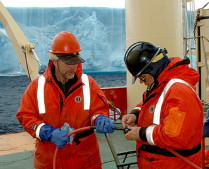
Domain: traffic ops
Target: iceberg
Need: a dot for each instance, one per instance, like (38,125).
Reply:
(100,31)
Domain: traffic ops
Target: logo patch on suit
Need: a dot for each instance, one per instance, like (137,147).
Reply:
(78,99)
(34,127)
(151,109)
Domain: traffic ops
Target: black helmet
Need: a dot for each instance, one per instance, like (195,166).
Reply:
(138,56)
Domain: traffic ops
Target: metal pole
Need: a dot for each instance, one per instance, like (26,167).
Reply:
(110,143)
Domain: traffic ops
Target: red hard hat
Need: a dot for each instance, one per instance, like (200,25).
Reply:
(65,42)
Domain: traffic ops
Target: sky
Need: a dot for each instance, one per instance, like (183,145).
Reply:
(65,3)
(201,3)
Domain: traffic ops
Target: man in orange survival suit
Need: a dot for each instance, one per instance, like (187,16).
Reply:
(170,115)
(65,98)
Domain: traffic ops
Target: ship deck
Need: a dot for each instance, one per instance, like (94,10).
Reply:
(16,150)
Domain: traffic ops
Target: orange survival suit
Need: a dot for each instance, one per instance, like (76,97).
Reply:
(60,109)
(180,121)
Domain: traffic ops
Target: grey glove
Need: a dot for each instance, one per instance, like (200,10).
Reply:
(67,128)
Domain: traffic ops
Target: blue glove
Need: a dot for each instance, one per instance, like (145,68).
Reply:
(104,125)
(56,136)
(206,126)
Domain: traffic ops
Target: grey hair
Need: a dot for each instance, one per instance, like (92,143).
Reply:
(53,56)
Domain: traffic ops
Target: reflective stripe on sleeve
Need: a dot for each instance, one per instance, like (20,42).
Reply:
(137,108)
(86,91)
(40,95)
(149,134)
(38,130)
(94,117)
(156,119)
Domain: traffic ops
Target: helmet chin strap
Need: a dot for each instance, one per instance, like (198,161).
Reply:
(151,87)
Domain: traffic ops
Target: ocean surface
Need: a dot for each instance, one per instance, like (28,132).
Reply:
(12,88)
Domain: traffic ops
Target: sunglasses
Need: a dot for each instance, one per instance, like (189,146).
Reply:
(142,79)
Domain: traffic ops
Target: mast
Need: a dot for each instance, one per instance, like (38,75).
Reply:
(158,22)
(23,48)
(202,52)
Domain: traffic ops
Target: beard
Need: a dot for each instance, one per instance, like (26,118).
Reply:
(69,75)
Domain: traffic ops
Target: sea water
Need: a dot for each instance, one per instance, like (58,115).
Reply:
(12,88)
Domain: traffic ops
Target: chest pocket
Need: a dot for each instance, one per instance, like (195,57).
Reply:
(40,93)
